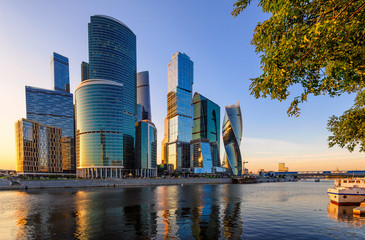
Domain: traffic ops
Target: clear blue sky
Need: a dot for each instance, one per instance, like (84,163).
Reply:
(217,43)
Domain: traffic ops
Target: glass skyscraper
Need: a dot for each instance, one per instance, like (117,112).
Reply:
(54,108)
(232,135)
(143,94)
(99,123)
(146,148)
(179,110)
(106,103)
(206,124)
(38,147)
(60,73)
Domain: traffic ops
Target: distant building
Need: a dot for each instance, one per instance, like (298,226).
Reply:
(60,73)
(146,149)
(201,156)
(38,147)
(165,140)
(84,71)
(179,110)
(206,124)
(282,168)
(54,108)
(143,94)
(232,135)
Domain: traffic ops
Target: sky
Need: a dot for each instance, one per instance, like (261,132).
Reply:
(217,43)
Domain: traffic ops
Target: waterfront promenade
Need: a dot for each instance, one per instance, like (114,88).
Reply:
(84,183)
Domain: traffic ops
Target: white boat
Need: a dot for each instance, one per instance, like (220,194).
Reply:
(347,191)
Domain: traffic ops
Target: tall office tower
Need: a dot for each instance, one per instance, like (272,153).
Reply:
(165,140)
(38,147)
(232,135)
(206,124)
(60,73)
(84,71)
(106,104)
(146,148)
(54,108)
(143,94)
(179,110)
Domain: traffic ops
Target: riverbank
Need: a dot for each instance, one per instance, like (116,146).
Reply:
(85,183)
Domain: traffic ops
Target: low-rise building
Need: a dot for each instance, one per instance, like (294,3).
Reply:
(38,147)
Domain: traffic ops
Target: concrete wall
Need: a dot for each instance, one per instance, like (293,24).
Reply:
(119,182)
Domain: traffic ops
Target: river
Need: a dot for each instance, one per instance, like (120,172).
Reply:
(288,210)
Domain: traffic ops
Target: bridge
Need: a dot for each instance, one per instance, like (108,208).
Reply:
(352,173)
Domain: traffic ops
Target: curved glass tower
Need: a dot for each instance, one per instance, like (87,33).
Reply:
(143,94)
(106,103)
(99,123)
(232,135)
(112,56)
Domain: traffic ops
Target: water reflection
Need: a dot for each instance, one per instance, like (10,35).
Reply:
(344,214)
(263,211)
(189,212)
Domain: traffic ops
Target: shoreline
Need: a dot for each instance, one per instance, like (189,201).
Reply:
(113,183)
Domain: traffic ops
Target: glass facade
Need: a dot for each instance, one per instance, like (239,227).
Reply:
(60,73)
(146,145)
(143,94)
(206,124)
(139,112)
(165,141)
(54,108)
(84,71)
(201,156)
(112,56)
(38,147)
(100,124)
(179,110)
(232,135)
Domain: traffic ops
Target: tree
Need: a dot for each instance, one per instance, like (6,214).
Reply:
(320,46)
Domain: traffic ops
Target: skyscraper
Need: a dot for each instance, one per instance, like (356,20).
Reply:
(179,110)
(106,103)
(143,94)
(60,73)
(232,135)
(206,124)
(54,108)
(113,56)
(38,147)
(146,148)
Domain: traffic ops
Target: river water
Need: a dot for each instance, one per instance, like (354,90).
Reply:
(290,210)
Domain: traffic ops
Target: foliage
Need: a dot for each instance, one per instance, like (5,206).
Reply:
(318,45)
(349,129)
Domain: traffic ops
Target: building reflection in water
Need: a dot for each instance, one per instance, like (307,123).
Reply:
(45,215)
(344,214)
(230,213)
(124,213)
(168,212)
